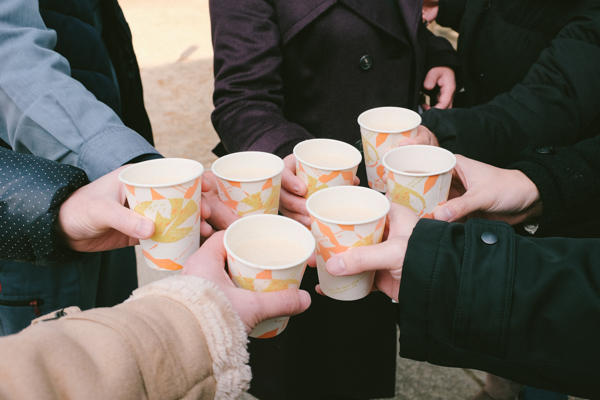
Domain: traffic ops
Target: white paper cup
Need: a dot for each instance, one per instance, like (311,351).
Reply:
(267,253)
(383,129)
(249,182)
(325,163)
(168,192)
(343,217)
(419,177)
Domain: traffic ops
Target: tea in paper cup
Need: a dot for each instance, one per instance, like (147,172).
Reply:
(325,163)
(419,177)
(341,218)
(383,129)
(168,192)
(249,182)
(266,253)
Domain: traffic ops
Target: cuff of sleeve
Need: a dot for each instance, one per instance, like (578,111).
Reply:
(111,149)
(223,329)
(417,276)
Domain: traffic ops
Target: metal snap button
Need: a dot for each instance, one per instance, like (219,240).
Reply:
(489,238)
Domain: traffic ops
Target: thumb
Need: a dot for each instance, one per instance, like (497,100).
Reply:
(365,258)
(281,303)
(431,79)
(127,222)
(459,207)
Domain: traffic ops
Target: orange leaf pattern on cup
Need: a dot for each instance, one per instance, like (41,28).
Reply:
(170,215)
(247,198)
(317,179)
(421,194)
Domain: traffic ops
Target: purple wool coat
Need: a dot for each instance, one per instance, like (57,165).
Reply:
(291,70)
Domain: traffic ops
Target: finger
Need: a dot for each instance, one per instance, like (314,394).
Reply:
(289,180)
(460,207)
(303,219)
(207,177)
(221,216)
(292,202)
(445,96)
(281,303)
(204,207)
(431,79)
(356,181)
(318,290)
(211,253)
(125,221)
(206,230)
(386,255)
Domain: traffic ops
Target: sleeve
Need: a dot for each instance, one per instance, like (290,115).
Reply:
(175,338)
(519,308)
(568,179)
(43,111)
(450,13)
(438,51)
(556,101)
(33,189)
(248,94)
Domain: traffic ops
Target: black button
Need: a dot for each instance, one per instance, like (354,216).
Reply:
(545,150)
(489,238)
(365,62)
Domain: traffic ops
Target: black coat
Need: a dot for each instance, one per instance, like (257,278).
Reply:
(529,69)
(287,71)
(521,308)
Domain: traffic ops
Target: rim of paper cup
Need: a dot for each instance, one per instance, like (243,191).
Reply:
(389,131)
(274,267)
(156,161)
(282,166)
(349,189)
(327,168)
(401,149)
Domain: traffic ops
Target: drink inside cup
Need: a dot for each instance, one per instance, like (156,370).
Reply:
(249,182)
(168,192)
(341,218)
(267,253)
(382,129)
(419,177)
(325,163)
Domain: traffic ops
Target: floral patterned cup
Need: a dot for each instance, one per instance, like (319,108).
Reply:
(419,177)
(249,182)
(325,163)
(341,218)
(383,129)
(168,192)
(267,253)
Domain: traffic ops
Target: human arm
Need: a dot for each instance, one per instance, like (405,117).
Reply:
(43,111)
(553,104)
(517,307)
(177,337)
(248,94)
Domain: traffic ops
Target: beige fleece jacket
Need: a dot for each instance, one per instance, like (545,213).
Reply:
(178,338)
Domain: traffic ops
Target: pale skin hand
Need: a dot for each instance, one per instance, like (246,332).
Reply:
(95,217)
(430,10)
(292,203)
(444,78)
(386,258)
(424,136)
(483,191)
(252,307)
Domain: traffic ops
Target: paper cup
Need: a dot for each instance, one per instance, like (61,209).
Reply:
(266,253)
(343,217)
(168,192)
(249,182)
(383,129)
(419,177)
(324,163)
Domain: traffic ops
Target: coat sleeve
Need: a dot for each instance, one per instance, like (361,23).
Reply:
(43,111)
(557,100)
(568,179)
(438,51)
(519,308)
(450,13)
(248,94)
(32,191)
(178,338)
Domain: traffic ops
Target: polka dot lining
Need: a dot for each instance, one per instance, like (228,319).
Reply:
(32,190)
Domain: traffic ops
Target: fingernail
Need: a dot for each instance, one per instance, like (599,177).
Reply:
(336,266)
(144,229)
(443,214)
(296,189)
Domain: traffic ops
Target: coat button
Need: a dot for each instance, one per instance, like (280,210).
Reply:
(365,62)
(489,238)
(545,150)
